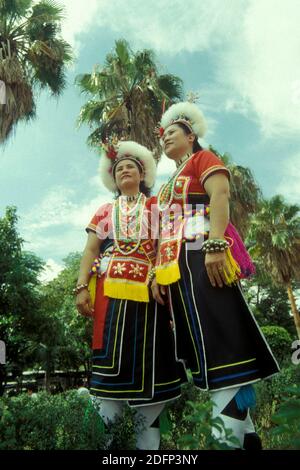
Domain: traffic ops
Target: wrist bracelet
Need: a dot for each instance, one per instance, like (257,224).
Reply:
(79,288)
(151,274)
(214,245)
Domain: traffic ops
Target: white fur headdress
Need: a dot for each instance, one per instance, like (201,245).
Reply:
(187,113)
(126,149)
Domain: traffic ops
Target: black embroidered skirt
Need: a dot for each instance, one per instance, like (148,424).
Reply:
(215,332)
(137,359)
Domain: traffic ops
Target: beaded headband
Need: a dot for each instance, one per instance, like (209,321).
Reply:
(127,157)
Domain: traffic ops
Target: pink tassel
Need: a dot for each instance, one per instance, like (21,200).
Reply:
(239,252)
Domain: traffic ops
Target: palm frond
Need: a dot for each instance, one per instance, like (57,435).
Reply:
(14,8)
(275,230)
(31,56)
(48,10)
(172,86)
(41,31)
(129,84)
(19,105)
(48,61)
(123,51)
(86,84)
(145,60)
(41,14)
(11,71)
(97,136)
(245,194)
(92,112)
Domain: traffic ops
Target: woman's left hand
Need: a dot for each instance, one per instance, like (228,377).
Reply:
(158,291)
(215,264)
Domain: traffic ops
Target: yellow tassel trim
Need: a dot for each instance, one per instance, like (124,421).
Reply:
(92,287)
(166,275)
(232,268)
(122,289)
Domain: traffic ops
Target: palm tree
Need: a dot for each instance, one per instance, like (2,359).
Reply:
(275,238)
(126,96)
(32,56)
(245,193)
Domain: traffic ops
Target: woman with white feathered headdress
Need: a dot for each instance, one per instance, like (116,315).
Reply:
(200,261)
(133,345)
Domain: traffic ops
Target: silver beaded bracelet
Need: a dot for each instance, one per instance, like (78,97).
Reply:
(151,274)
(214,245)
(79,288)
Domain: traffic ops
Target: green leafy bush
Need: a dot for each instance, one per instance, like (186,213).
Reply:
(67,421)
(280,342)
(270,394)
(191,423)
(200,418)
(64,421)
(287,418)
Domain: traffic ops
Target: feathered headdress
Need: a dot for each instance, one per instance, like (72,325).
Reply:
(113,151)
(188,114)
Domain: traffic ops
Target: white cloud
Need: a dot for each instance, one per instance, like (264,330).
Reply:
(174,26)
(57,244)
(165,25)
(262,66)
(79,17)
(255,45)
(52,269)
(289,185)
(165,169)
(95,182)
(68,219)
(57,208)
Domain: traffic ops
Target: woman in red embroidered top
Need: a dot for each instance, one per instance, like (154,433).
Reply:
(216,334)
(133,345)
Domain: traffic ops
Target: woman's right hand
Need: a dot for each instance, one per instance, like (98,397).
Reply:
(84,303)
(157,291)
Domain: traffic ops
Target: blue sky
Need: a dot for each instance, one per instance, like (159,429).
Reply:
(242,58)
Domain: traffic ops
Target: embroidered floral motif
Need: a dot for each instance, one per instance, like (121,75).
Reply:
(136,270)
(119,268)
(169,252)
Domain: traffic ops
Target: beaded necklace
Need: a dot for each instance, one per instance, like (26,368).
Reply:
(132,198)
(183,159)
(118,224)
(166,192)
(125,199)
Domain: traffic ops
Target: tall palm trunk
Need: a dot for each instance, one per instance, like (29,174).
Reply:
(294,308)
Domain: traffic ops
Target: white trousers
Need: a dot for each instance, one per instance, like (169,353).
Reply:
(148,437)
(239,427)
